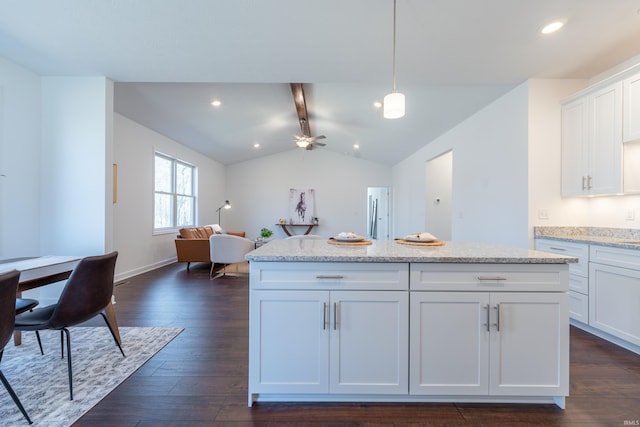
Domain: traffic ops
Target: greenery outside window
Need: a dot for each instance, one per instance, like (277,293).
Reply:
(174,193)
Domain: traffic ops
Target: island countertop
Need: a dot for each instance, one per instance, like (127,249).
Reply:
(301,250)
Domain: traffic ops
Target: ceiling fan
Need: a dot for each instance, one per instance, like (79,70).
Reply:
(304,140)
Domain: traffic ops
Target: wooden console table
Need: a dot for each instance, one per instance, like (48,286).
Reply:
(288,233)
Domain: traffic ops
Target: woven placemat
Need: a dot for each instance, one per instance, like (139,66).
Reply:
(338,242)
(432,243)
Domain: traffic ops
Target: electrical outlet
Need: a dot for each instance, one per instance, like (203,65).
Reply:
(631,214)
(543,214)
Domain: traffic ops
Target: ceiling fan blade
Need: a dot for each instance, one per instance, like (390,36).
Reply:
(321,144)
(319,137)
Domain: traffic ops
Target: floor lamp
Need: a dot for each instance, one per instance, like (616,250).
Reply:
(226,205)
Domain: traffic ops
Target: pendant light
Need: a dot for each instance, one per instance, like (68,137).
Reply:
(394,102)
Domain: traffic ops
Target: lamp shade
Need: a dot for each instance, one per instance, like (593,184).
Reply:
(394,105)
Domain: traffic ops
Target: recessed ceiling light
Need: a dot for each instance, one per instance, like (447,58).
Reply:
(377,104)
(356,146)
(216,103)
(553,26)
(256,145)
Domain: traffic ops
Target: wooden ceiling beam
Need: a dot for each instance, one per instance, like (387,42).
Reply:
(297,90)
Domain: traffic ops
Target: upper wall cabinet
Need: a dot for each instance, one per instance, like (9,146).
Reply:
(574,147)
(592,143)
(631,120)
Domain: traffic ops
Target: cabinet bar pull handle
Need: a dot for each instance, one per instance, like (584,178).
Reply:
(324,316)
(589,179)
(497,308)
(337,276)
(492,278)
(584,182)
(335,316)
(557,249)
(488,323)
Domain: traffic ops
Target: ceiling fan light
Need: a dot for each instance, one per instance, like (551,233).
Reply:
(302,143)
(393,105)
(554,26)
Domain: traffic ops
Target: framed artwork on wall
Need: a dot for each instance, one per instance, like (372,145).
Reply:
(301,206)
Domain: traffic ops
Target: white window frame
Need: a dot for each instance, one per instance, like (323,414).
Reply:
(174,194)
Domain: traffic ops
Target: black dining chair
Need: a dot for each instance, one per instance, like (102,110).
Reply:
(25,304)
(86,294)
(8,288)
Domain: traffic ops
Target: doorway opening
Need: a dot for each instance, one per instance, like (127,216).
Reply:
(378,213)
(439,193)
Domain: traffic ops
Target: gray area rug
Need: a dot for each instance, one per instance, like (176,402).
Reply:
(42,384)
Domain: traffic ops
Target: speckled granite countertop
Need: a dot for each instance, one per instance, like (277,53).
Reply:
(390,251)
(615,237)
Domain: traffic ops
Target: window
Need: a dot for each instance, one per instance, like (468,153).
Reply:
(174,193)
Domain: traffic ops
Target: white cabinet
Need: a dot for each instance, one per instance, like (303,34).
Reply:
(438,363)
(290,342)
(369,342)
(578,274)
(592,143)
(331,341)
(575,162)
(631,134)
(488,343)
(530,345)
(614,289)
(401,332)
(631,109)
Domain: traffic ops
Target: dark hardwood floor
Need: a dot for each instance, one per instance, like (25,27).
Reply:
(200,378)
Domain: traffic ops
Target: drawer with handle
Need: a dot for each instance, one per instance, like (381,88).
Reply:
(578,250)
(489,277)
(329,275)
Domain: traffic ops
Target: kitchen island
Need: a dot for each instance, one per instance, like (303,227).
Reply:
(386,322)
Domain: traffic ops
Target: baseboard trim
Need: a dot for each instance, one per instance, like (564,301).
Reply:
(127,274)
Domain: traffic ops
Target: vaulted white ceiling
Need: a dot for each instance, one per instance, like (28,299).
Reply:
(170,58)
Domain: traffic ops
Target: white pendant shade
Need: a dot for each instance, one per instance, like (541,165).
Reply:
(394,105)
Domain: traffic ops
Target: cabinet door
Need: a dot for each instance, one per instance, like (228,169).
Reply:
(631,109)
(369,342)
(449,343)
(605,141)
(574,143)
(579,306)
(614,294)
(289,340)
(529,344)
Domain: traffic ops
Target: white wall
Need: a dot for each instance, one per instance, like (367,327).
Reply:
(19,161)
(139,249)
(74,174)
(489,175)
(259,189)
(611,211)
(75,181)
(507,169)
